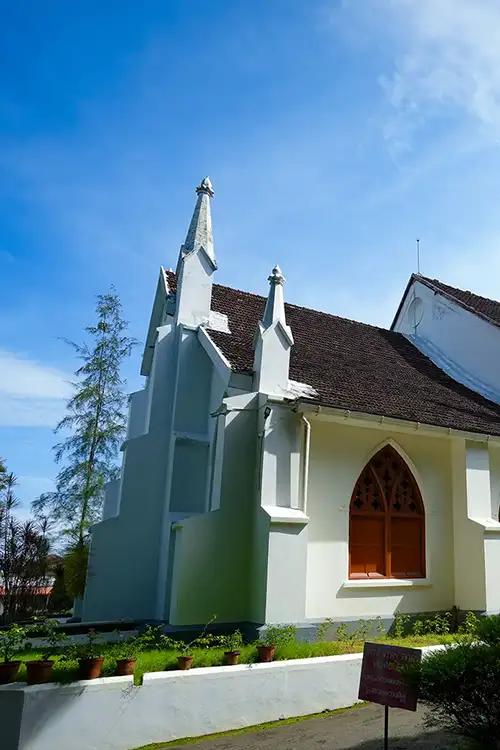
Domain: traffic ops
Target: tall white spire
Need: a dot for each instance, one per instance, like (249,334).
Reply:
(197,263)
(199,235)
(273,341)
(275,305)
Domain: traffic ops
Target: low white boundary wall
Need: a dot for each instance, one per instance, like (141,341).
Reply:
(113,714)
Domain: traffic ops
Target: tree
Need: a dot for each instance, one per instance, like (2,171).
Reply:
(95,421)
(24,551)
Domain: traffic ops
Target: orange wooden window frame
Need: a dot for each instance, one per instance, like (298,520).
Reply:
(386,493)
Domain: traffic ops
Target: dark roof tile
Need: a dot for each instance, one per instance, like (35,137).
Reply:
(355,366)
(489,309)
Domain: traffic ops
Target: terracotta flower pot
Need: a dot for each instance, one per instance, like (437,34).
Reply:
(185,662)
(266,653)
(8,671)
(125,667)
(90,669)
(231,658)
(39,671)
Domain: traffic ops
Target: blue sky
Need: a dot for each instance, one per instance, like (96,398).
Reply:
(334,132)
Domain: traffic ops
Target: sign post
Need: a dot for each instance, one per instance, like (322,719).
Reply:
(382,681)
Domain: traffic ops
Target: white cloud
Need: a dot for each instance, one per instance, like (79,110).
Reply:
(449,54)
(31,394)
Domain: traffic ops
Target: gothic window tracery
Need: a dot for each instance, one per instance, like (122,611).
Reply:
(386,521)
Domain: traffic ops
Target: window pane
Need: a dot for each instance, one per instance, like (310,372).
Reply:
(367,546)
(406,548)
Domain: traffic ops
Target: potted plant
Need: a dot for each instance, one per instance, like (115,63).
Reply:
(125,652)
(233,643)
(39,670)
(89,657)
(274,636)
(11,640)
(185,659)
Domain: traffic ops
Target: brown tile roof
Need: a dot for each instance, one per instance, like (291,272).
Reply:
(489,309)
(355,366)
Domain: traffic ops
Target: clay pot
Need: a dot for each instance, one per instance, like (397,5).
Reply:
(90,669)
(231,658)
(8,671)
(125,667)
(185,662)
(39,671)
(266,653)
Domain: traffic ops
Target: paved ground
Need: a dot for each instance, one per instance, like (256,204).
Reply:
(360,728)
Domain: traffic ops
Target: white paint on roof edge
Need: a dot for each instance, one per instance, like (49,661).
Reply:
(302,390)
(218,321)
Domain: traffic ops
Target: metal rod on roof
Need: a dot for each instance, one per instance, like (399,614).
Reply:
(418,255)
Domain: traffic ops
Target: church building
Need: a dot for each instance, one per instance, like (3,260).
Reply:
(285,465)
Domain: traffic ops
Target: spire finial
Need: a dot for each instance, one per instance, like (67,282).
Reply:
(205,186)
(276,276)
(275,305)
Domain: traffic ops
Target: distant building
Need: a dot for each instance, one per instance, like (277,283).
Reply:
(286,465)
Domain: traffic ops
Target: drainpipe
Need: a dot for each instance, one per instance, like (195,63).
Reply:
(305,463)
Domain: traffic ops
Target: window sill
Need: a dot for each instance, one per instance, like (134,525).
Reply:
(386,583)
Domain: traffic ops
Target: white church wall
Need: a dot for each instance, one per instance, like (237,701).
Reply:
(495,481)
(138,413)
(212,551)
(123,563)
(476,528)
(111,499)
(464,345)
(338,455)
(468,539)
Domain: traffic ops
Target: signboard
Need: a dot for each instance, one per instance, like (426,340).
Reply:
(381,679)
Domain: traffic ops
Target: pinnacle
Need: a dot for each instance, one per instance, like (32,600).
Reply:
(205,186)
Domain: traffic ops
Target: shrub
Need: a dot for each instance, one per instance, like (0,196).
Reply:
(232,641)
(90,648)
(488,630)
(401,625)
(470,625)
(11,640)
(153,638)
(461,685)
(53,634)
(279,635)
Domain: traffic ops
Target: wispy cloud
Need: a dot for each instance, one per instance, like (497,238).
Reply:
(448,56)
(31,394)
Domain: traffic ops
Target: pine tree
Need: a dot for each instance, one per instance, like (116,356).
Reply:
(95,421)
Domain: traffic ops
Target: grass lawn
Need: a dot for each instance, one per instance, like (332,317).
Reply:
(158,661)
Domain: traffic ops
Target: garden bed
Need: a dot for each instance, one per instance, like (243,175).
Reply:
(160,660)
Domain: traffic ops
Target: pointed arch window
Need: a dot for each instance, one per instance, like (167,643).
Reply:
(386,521)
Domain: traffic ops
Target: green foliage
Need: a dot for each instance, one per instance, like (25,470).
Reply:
(75,568)
(60,600)
(401,625)
(153,638)
(470,625)
(90,648)
(96,423)
(232,641)
(279,635)
(488,630)
(343,635)
(461,685)
(125,648)
(24,548)
(52,633)
(11,640)
(323,629)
